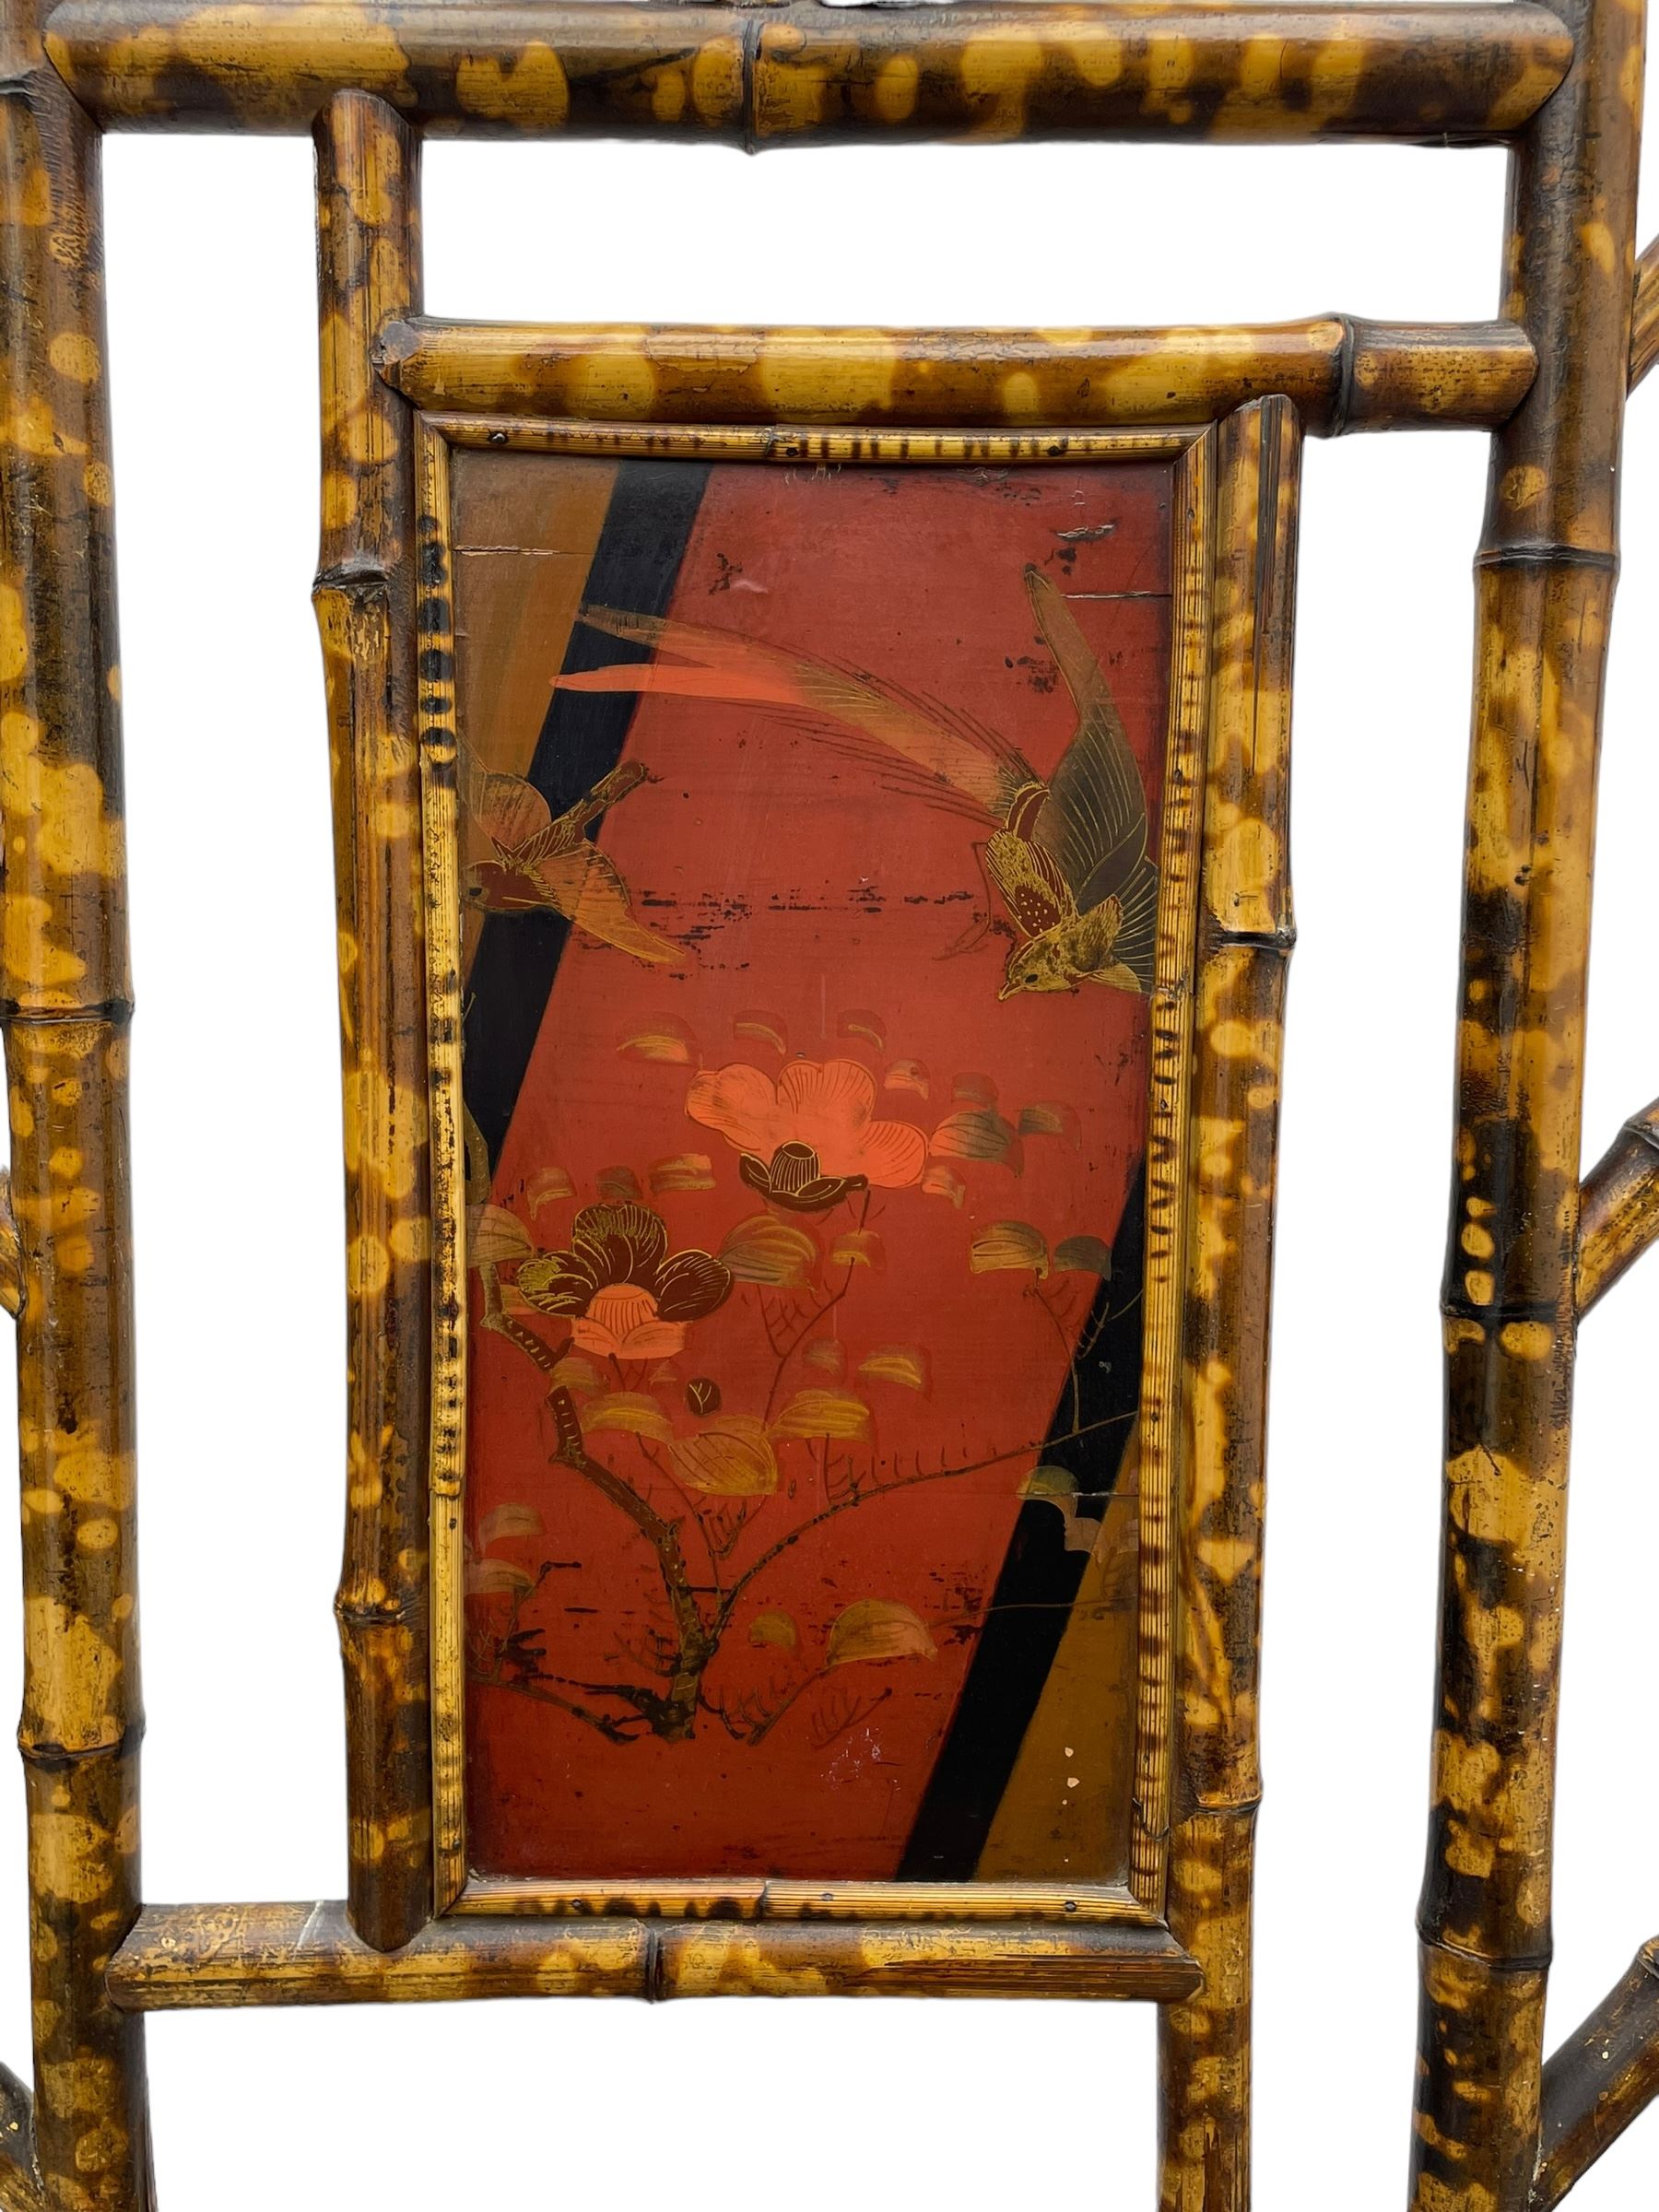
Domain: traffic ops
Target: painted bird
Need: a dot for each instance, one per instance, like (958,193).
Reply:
(543,860)
(1065,854)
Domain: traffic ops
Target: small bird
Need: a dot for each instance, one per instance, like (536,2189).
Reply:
(544,860)
(1065,855)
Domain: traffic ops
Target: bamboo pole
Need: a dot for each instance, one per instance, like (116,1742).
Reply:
(1544,576)
(1618,1209)
(1343,375)
(802,73)
(65,998)
(187,1957)
(1246,933)
(1603,2076)
(368,248)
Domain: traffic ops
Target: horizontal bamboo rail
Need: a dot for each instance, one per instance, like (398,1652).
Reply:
(1618,1207)
(795,73)
(185,1957)
(1644,323)
(1342,373)
(1604,2076)
(728,1899)
(20,2175)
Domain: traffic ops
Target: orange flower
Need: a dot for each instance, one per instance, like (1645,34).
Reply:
(825,1111)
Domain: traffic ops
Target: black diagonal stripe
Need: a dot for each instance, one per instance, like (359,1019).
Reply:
(1031,1604)
(635,566)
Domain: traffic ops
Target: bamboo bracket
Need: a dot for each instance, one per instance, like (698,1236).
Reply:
(19,2174)
(11,1252)
(1603,2076)
(1645,320)
(1618,1209)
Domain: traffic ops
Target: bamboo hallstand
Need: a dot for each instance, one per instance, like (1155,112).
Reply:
(1533,1244)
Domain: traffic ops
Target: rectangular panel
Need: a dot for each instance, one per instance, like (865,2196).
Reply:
(808,884)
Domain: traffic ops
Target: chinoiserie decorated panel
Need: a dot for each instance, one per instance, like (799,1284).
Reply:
(810,827)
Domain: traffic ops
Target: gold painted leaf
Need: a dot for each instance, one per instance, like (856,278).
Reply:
(1007,1244)
(730,1456)
(1083,1255)
(662,1037)
(509,1520)
(775,1629)
(859,1248)
(765,1250)
(1053,1484)
(902,1363)
(1050,1117)
(940,1182)
(495,1238)
(828,1356)
(832,1413)
(577,1373)
(858,1021)
(630,1411)
(767,1029)
(878,1627)
(496,1578)
(618,1186)
(973,1090)
(906,1075)
(681,1172)
(978,1133)
(547,1185)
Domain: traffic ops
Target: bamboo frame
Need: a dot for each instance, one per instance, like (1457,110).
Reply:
(1533,1249)
(65,995)
(1199,615)
(1342,374)
(1247,935)
(188,1957)
(798,73)
(369,266)
(1544,580)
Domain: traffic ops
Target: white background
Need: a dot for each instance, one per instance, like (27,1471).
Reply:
(236,1137)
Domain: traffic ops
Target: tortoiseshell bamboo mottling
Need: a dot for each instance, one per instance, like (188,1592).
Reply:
(1544,576)
(1342,373)
(1246,933)
(187,1957)
(1602,2077)
(799,74)
(1618,1209)
(367,210)
(66,998)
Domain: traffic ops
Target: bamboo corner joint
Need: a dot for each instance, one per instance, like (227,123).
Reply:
(1534,1244)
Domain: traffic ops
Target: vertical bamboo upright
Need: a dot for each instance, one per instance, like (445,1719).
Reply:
(1246,933)
(368,186)
(66,996)
(1544,576)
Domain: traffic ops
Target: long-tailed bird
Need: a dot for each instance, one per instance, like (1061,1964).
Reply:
(543,860)
(1067,854)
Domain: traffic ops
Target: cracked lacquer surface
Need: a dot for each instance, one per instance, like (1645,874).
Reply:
(369,269)
(766,76)
(1544,593)
(1246,931)
(64,995)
